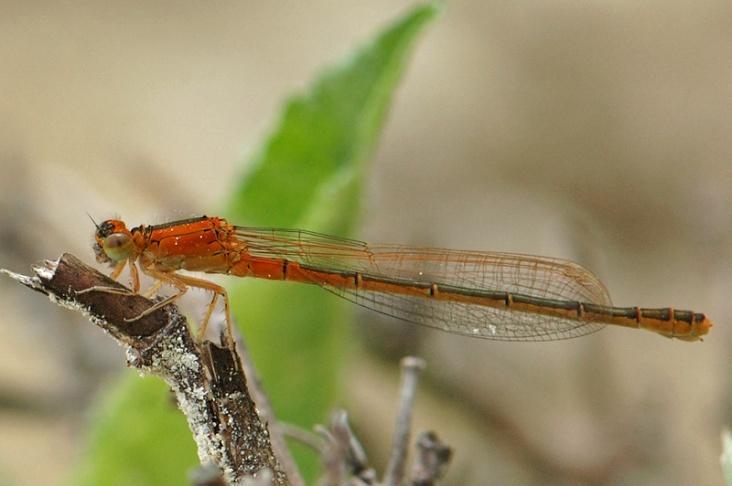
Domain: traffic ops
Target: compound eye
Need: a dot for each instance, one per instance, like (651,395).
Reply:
(118,246)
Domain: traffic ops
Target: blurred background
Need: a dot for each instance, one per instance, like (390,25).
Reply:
(595,131)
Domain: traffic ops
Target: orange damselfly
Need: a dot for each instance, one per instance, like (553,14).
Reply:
(492,295)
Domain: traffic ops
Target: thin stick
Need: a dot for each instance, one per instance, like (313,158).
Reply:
(344,459)
(433,457)
(209,381)
(303,436)
(411,367)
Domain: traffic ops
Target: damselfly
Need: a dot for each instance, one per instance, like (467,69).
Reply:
(491,295)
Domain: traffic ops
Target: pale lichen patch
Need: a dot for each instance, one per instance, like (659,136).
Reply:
(47,270)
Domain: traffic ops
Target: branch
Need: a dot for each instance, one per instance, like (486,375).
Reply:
(433,456)
(209,382)
(411,367)
(345,460)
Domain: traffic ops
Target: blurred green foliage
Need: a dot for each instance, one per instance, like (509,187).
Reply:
(138,437)
(309,174)
(726,458)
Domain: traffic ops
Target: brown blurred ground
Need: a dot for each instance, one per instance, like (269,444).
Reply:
(598,131)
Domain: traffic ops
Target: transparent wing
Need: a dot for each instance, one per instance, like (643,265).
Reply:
(490,271)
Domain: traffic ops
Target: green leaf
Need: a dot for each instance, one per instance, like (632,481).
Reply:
(332,127)
(308,174)
(138,437)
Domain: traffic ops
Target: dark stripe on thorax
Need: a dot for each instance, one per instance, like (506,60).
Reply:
(156,227)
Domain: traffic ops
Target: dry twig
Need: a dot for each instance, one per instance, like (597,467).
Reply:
(345,460)
(433,457)
(214,387)
(411,367)
(209,381)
